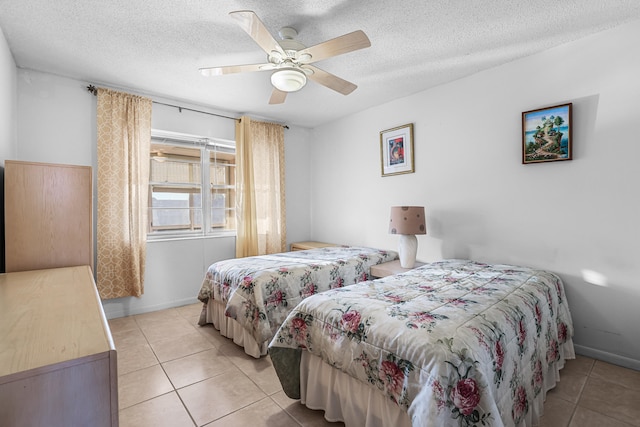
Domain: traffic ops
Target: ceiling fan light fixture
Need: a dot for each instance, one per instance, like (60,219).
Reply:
(288,79)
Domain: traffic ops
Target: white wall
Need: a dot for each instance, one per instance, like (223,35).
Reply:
(8,102)
(56,124)
(298,184)
(482,203)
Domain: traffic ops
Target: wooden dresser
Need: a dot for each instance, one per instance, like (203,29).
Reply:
(57,357)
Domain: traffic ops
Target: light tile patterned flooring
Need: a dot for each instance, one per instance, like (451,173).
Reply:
(172,372)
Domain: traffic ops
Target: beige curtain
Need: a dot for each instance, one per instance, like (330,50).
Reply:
(260,206)
(124,136)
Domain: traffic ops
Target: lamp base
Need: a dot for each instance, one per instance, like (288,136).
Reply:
(408,248)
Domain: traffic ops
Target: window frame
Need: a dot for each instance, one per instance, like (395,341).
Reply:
(206,146)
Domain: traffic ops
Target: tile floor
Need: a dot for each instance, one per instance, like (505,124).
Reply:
(175,373)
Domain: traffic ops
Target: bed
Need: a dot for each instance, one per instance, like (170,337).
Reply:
(451,343)
(246,299)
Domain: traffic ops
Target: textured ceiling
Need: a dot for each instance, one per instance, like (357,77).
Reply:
(155,47)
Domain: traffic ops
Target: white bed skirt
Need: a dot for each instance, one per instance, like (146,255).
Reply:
(345,399)
(231,329)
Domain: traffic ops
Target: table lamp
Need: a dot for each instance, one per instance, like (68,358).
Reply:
(407,221)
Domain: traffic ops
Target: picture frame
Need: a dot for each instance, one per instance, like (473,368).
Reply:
(546,134)
(396,150)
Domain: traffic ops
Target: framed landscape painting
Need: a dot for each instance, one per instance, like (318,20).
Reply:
(546,134)
(396,150)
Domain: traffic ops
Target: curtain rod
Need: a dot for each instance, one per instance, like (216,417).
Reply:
(94,91)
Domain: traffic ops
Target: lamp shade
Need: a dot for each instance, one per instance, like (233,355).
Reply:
(407,220)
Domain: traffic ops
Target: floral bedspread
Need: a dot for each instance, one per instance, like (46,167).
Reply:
(260,291)
(454,343)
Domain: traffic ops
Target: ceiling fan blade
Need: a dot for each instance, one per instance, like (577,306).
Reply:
(331,81)
(343,44)
(253,26)
(277,96)
(231,69)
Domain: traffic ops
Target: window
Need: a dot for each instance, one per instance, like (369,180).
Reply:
(191,185)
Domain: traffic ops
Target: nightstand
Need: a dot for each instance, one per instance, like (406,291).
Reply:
(301,246)
(390,268)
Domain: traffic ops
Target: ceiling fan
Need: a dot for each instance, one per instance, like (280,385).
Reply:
(290,60)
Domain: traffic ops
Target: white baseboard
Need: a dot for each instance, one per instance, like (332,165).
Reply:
(608,357)
(116,310)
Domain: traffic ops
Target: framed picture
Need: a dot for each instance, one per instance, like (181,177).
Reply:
(396,150)
(546,134)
